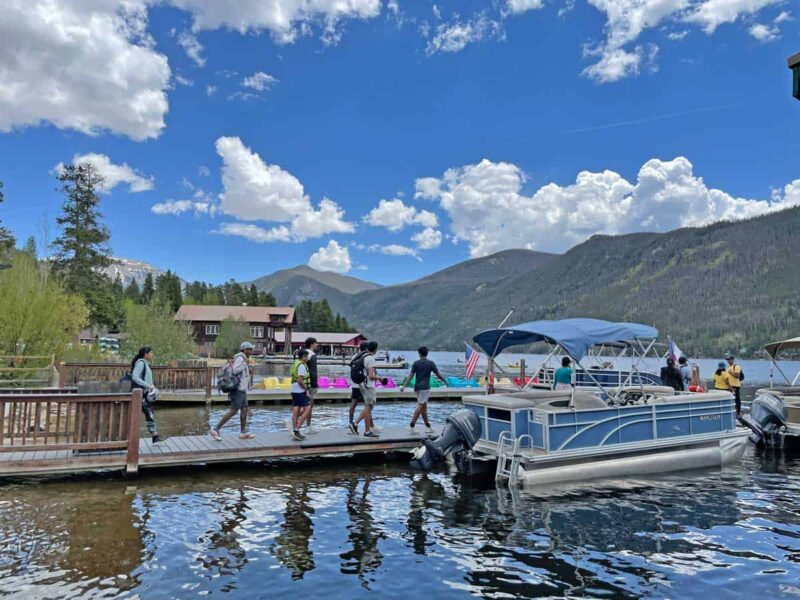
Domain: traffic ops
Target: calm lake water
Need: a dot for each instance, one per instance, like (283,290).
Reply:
(350,528)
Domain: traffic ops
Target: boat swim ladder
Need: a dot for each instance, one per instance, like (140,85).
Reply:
(509,457)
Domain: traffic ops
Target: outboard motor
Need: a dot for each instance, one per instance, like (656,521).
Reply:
(767,417)
(461,432)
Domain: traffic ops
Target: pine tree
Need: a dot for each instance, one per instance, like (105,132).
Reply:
(7,240)
(266,299)
(168,291)
(252,295)
(82,250)
(132,292)
(148,289)
(30,247)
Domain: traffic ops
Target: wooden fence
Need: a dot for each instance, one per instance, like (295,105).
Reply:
(70,421)
(164,378)
(21,371)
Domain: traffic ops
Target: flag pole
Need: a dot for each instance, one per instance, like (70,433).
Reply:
(508,316)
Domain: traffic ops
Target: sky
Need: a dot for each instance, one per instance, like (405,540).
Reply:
(390,139)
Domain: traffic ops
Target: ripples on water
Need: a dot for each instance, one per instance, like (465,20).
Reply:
(343,529)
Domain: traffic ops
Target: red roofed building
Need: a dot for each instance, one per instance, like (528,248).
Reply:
(330,344)
(266,322)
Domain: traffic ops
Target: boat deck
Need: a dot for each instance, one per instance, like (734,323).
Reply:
(203,449)
(332,395)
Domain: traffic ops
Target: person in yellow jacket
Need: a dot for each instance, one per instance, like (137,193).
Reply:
(721,377)
(301,382)
(735,380)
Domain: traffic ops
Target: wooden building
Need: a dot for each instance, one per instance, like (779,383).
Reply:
(266,322)
(330,344)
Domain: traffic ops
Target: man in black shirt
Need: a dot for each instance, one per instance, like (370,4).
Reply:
(671,376)
(422,370)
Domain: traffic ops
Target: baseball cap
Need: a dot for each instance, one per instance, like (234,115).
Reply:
(247,346)
(729,356)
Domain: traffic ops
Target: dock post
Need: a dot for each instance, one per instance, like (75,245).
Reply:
(135,407)
(62,374)
(522,371)
(209,378)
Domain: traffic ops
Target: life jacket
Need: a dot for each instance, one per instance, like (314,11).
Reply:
(295,377)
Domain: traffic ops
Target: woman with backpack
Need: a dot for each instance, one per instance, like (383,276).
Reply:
(142,378)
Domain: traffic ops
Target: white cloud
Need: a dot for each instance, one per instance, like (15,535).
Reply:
(677,36)
(427,239)
(211,90)
(285,20)
(88,66)
(395,215)
(254,233)
(112,174)
(178,207)
(259,81)
(710,14)
(332,257)
(764,33)
(394,250)
(785,15)
(488,210)
(193,48)
(256,191)
(521,6)
(456,35)
(203,171)
(427,187)
(181,80)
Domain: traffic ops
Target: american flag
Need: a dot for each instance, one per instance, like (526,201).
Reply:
(470,360)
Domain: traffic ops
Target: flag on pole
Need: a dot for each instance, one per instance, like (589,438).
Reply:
(470,360)
(673,351)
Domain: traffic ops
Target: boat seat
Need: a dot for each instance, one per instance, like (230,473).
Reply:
(691,397)
(583,401)
(652,390)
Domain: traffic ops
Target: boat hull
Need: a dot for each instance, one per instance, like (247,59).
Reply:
(715,453)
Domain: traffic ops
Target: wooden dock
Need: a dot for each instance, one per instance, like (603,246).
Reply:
(325,395)
(67,433)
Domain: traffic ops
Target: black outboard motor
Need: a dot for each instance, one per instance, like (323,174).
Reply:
(461,432)
(767,417)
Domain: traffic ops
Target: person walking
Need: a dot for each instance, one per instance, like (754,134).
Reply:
(311,345)
(721,377)
(735,378)
(238,398)
(142,378)
(562,377)
(301,383)
(355,389)
(686,371)
(671,376)
(422,370)
(368,391)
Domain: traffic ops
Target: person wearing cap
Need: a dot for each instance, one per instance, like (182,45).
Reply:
(721,377)
(238,398)
(735,380)
(311,346)
(562,378)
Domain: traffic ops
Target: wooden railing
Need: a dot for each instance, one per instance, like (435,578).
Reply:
(164,378)
(69,421)
(21,371)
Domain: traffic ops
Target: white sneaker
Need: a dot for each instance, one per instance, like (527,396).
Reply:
(310,430)
(377,429)
(411,429)
(428,431)
(289,425)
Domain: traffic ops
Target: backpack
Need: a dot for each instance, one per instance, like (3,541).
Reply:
(741,375)
(357,374)
(227,380)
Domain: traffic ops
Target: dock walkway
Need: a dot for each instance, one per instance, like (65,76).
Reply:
(331,395)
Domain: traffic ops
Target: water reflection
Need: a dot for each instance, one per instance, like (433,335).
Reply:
(348,527)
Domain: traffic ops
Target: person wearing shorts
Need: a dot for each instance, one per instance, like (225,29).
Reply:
(355,390)
(368,391)
(422,370)
(301,381)
(311,346)
(238,398)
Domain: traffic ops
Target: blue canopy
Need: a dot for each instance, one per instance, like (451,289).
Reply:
(575,336)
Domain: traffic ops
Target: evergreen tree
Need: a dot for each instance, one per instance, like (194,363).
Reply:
(231,334)
(168,291)
(81,251)
(117,286)
(148,289)
(6,238)
(30,247)
(266,299)
(132,292)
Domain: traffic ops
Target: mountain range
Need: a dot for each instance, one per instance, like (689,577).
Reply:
(729,286)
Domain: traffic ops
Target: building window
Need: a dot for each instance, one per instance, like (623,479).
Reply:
(256,331)
(212,329)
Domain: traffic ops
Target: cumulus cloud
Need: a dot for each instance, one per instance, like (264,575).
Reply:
(254,233)
(87,66)
(178,207)
(394,250)
(332,257)
(259,81)
(257,191)
(427,239)
(489,211)
(113,175)
(521,6)
(764,33)
(395,215)
(285,20)
(458,34)
(710,14)
(192,46)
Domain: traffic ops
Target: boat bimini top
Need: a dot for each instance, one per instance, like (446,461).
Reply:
(775,348)
(574,336)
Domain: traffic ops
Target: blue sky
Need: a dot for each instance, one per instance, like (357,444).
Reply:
(482,125)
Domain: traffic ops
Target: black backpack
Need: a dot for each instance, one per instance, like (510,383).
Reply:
(227,380)
(357,374)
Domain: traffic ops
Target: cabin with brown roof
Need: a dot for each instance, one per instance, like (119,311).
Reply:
(266,322)
(330,344)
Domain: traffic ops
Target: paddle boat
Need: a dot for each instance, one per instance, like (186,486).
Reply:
(536,435)
(774,413)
